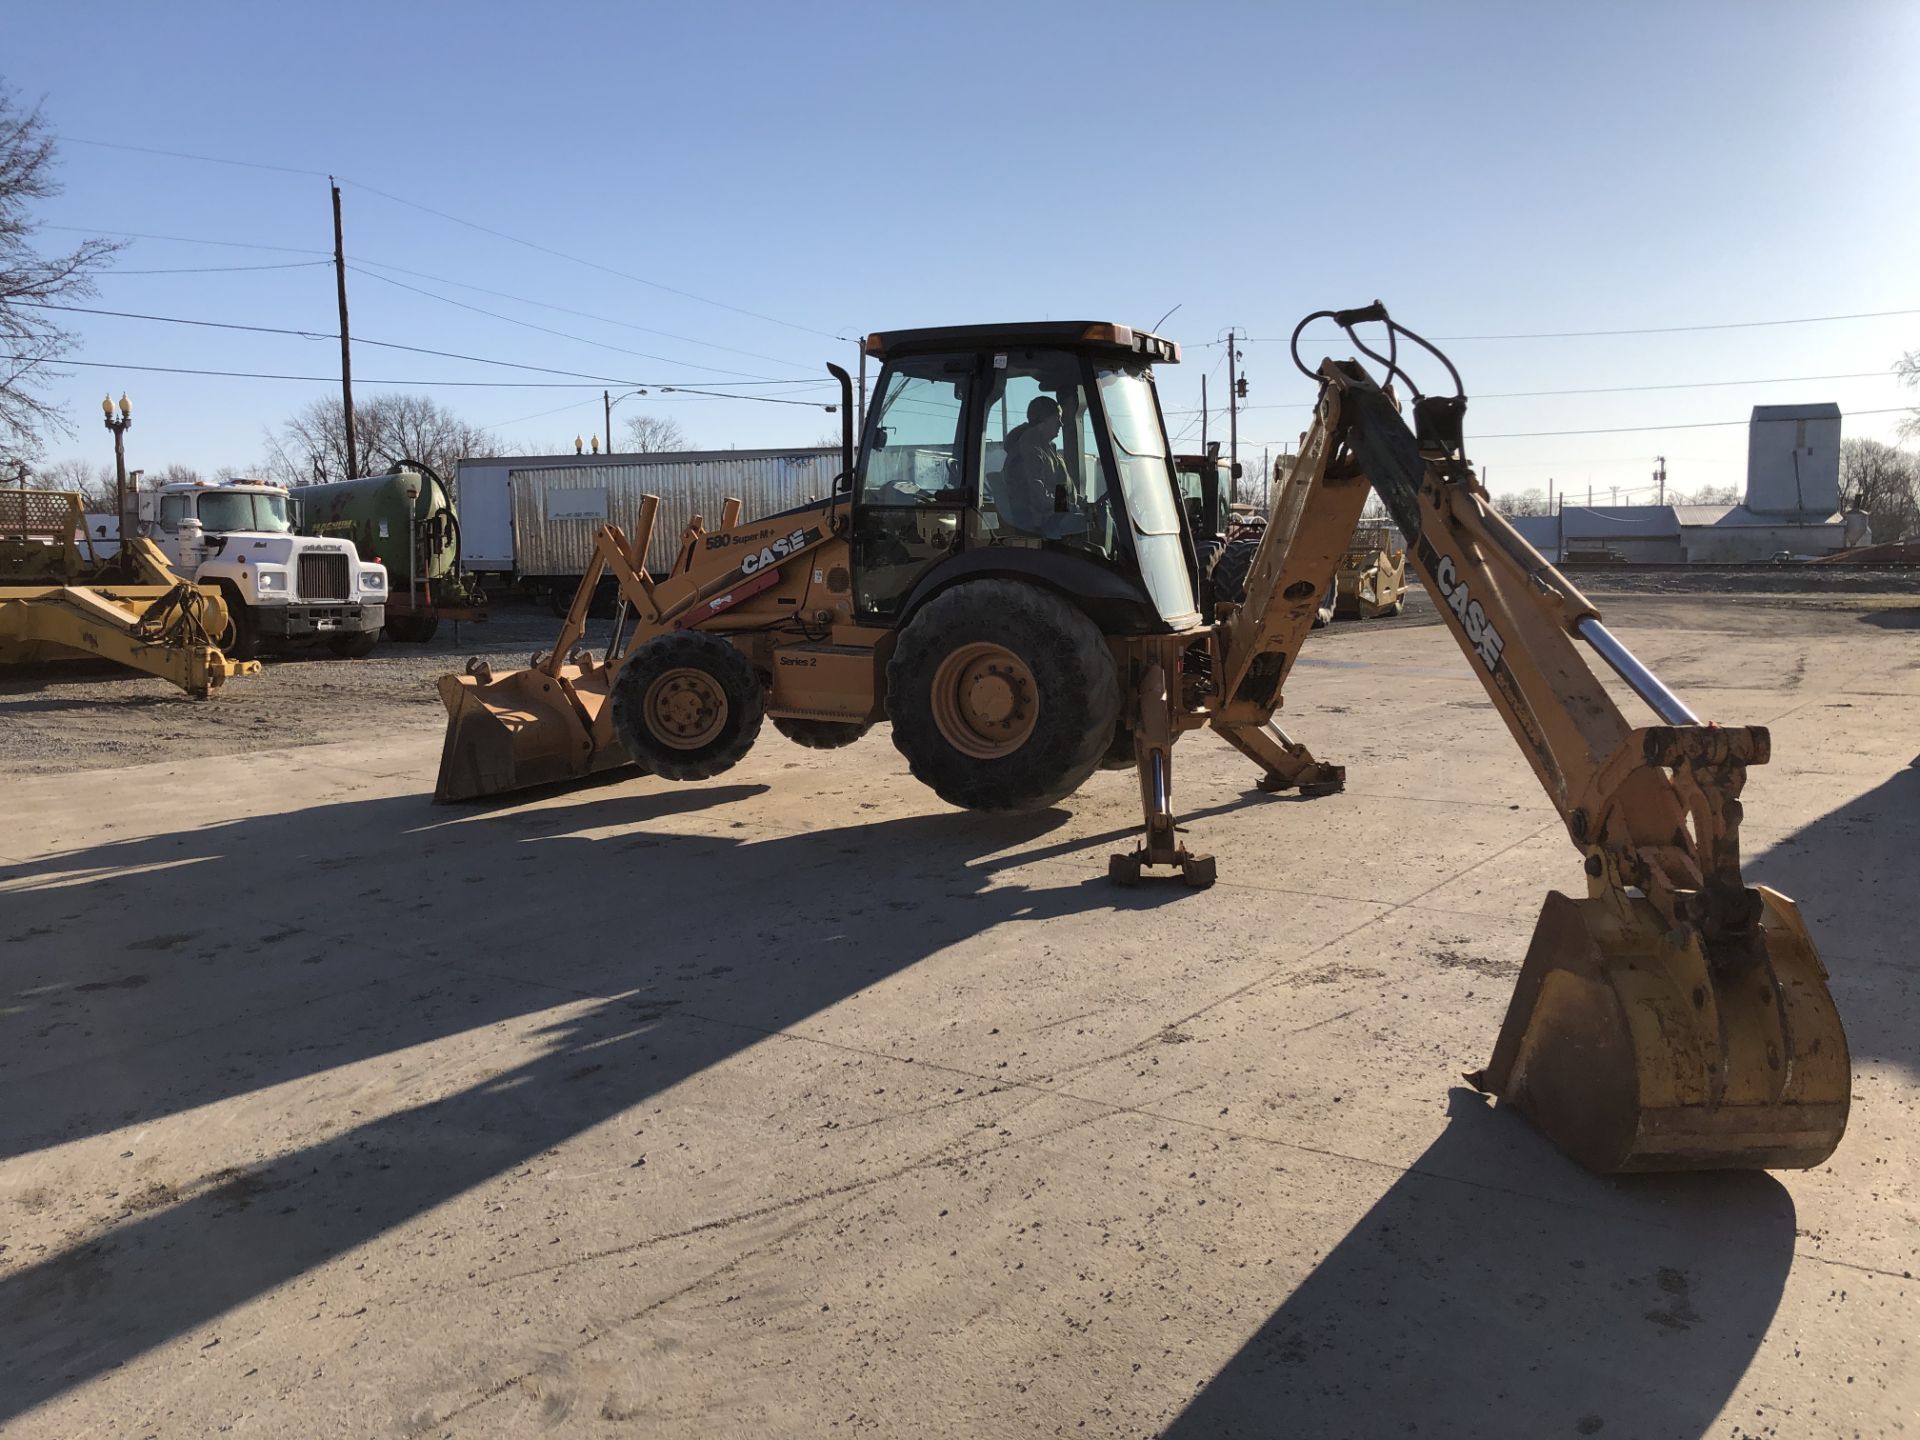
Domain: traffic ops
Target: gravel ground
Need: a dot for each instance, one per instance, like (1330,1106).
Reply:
(73,717)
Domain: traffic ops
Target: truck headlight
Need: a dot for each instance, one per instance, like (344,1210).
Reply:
(373,580)
(267,579)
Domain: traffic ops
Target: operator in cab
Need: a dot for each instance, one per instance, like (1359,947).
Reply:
(1034,486)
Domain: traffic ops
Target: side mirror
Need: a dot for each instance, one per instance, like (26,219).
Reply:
(879,440)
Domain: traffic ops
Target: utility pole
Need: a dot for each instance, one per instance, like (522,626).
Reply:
(1233,402)
(606,404)
(346,348)
(1660,477)
(1203,414)
(1550,495)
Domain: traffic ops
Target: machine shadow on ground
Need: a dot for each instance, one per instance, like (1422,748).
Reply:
(1433,1317)
(1458,1308)
(666,975)
(1852,872)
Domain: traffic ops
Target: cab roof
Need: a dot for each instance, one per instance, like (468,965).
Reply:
(1054,334)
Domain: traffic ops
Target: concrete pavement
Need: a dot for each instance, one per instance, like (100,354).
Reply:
(796,1104)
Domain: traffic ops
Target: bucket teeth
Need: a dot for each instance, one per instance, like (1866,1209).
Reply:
(518,730)
(1632,1051)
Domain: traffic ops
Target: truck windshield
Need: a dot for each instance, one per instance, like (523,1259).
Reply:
(244,510)
(1147,481)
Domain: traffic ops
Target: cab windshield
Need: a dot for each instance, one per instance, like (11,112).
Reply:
(243,510)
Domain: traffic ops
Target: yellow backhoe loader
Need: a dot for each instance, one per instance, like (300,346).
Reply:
(1006,572)
(60,602)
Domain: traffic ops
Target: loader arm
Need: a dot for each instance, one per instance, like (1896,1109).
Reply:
(1672,1018)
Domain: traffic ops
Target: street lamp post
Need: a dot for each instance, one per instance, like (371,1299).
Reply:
(608,401)
(118,425)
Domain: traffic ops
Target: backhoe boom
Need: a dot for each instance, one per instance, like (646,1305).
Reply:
(1674,1017)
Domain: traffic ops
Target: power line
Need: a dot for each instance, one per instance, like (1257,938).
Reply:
(1642,429)
(549,330)
(326,335)
(567,310)
(62,363)
(590,264)
(184,155)
(1692,425)
(1590,334)
(1620,389)
(215,269)
(188,240)
(454,219)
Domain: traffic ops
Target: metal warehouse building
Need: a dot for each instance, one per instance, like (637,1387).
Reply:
(1792,506)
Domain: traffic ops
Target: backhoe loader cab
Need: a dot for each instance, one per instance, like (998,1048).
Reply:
(1034,453)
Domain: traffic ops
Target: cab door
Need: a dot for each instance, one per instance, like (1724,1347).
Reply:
(911,495)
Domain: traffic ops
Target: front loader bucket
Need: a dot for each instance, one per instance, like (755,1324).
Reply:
(524,728)
(1631,1052)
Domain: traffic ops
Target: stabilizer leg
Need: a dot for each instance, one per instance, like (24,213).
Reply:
(1288,764)
(1160,842)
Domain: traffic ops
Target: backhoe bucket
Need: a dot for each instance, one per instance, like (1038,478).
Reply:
(1631,1051)
(524,728)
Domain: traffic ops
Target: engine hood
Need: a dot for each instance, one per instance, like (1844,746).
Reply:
(268,548)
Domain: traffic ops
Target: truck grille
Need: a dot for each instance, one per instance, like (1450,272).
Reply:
(323,577)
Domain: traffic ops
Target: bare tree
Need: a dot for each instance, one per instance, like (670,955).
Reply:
(310,445)
(94,482)
(1522,502)
(1707,495)
(1885,483)
(30,340)
(173,475)
(651,434)
(1907,367)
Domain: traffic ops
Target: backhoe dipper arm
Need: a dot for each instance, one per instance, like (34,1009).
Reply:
(1673,1017)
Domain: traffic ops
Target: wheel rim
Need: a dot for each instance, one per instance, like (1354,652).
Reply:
(685,708)
(985,700)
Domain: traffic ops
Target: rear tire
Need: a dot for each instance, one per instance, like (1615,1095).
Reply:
(687,706)
(412,629)
(1002,696)
(1230,567)
(356,646)
(821,734)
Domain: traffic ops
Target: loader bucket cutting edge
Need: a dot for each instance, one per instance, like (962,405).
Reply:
(1631,1053)
(519,730)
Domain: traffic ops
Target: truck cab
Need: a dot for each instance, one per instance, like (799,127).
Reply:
(281,588)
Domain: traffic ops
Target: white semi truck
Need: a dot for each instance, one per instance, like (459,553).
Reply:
(281,588)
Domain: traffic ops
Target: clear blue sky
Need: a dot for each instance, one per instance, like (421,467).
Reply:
(1485,169)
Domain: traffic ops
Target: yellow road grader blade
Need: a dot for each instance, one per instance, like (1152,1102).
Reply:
(56,604)
(1632,1050)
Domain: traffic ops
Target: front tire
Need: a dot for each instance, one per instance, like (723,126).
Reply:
(1002,696)
(412,629)
(687,706)
(356,646)
(243,643)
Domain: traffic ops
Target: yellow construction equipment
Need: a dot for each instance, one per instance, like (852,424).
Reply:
(1372,576)
(60,601)
(1007,573)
